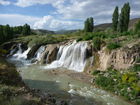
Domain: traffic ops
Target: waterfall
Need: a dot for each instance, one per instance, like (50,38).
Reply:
(21,55)
(72,56)
(39,53)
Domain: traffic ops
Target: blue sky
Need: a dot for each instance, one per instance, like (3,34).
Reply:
(60,14)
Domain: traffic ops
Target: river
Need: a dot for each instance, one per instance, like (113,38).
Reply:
(72,86)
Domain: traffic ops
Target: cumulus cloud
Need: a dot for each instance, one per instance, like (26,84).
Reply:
(79,10)
(4,2)
(46,22)
(51,23)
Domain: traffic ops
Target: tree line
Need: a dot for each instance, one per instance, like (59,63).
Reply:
(7,32)
(120,21)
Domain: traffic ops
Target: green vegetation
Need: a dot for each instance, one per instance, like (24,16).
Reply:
(26,30)
(115,19)
(7,32)
(41,39)
(89,25)
(137,27)
(124,18)
(112,46)
(123,83)
(97,42)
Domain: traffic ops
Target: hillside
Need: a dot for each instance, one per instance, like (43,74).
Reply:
(43,32)
(108,25)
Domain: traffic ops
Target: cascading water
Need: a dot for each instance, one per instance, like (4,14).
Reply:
(71,56)
(20,55)
(39,53)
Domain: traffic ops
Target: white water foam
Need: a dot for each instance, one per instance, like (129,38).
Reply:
(72,56)
(39,53)
(20,56)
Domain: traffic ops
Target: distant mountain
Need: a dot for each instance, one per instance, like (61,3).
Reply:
(108,25)
(65,31)
(103,26)
(46,32)
(43,32)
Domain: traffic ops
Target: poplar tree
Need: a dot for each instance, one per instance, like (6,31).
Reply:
(124,18)
(86,28)
(115,19)
(89,25)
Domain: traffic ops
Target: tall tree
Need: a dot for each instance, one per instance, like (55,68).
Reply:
(124,18)
(115,18)
(86,27)
(121,21)
(127,16)
(89,25)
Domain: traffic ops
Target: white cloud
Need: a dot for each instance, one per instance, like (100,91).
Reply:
(135,13)
(4,2)
(46,22)
(49,22)
(26,3)
(17,19)
(67,10)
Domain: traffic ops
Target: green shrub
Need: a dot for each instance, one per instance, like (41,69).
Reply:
(79,39)
(95,72)
(112,46)
(104,82)
(130,77)
(88,36)
(126,84)
(137,27)
(136,68)
(97,42)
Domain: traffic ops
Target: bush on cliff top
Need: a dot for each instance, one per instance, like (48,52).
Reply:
(114,45)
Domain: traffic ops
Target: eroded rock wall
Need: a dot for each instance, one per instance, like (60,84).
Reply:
(122,58)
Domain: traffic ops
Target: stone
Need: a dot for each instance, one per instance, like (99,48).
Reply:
(50,54)
(32,51)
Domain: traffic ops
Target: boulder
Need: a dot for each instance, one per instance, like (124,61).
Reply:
(32,51)
(50,54)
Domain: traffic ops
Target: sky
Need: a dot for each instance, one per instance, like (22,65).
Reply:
(61,14)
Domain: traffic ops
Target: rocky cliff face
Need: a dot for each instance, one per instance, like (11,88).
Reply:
(122,58)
